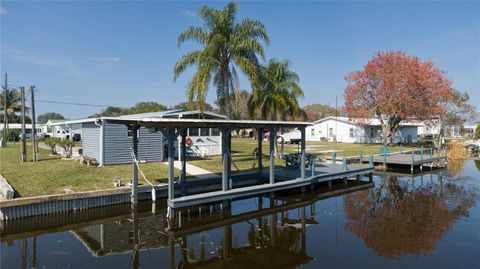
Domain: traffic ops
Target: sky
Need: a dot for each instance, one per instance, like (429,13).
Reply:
(118,53)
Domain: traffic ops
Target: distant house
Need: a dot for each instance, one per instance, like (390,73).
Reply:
(110,143)
(470,129)
(343,129)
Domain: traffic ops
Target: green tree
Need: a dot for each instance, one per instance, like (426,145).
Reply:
(13,104)
(315,112)
(111,111)
(276,97)
(50,116)
(226,44)
(145,107)
(193,106)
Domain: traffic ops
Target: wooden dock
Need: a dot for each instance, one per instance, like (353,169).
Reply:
(432,157)
(284,179)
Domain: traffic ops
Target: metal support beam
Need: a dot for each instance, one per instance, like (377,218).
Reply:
(259,151)
(171,134)
(134,181)
(226,162)
(183,158)
(302,152)
(272,155)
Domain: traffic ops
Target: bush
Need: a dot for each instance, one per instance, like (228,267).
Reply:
(13,135)
(67,145)
(52,143)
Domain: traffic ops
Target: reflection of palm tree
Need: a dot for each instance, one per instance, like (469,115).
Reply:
(398,221)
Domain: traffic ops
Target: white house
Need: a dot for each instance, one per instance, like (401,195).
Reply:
(343,129)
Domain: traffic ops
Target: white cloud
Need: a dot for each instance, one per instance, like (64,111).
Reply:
(3,11)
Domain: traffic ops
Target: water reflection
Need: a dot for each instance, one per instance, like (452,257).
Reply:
(395,217)
(401,217)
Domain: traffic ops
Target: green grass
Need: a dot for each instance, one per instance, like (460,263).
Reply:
(243,148)
(51,174)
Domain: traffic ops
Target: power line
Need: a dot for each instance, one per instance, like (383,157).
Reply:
(69,103)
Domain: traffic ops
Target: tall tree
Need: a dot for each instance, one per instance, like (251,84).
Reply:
(240,105)
(458,110)
(145,107)
(276,96)
(13,104)
(226,45)
(315,112)
(394,87)
(50,116)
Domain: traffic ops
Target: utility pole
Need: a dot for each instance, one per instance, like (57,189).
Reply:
(24,141)
(5,118)
(34,130)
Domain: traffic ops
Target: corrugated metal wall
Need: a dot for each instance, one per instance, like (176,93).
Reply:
(91,140)
(117,145)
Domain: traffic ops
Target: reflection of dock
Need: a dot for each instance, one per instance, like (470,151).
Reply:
(198,224)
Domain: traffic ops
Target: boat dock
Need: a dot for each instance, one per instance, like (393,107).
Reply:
(432,157)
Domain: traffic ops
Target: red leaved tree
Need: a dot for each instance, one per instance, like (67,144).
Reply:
(394,87)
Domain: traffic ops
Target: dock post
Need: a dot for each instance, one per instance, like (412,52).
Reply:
(421,158)
(272,155)
(344,162)
(361,155)
(225,159)
(358,178)
(370,162)
(413,159)
(312,167)
(370,177)
(259,152)
(384,160)
(183,154)
(302,159)
(438,156)
(431,157)
(133,196)
(401,149)
(334,157)
(171,169)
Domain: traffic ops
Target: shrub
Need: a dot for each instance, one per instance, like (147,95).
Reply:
(52,143)
(13,135)
(67,145)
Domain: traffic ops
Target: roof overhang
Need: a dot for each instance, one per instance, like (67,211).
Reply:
(206,123)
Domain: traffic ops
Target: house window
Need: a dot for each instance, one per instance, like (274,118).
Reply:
(193,131)
(330,132)
(215,132)
(205,132)
(130,133)
(351,132)
(312,131)
(372,133)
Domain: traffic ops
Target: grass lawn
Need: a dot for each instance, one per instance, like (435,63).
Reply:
(51,174)
(243,148)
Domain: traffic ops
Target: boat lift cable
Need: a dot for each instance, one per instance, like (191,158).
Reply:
(134,158)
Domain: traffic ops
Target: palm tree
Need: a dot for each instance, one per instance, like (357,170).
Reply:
(13,103)
(276,96)
(226,44)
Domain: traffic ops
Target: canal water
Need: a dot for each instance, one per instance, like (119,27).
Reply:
(426,221)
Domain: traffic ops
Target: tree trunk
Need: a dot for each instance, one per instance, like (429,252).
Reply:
(226,93)
(389,128)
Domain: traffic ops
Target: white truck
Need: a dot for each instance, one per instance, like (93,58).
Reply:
(60,133)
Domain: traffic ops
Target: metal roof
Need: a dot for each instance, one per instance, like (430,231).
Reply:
(205,123)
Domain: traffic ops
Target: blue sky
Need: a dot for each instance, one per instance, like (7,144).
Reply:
(118,53)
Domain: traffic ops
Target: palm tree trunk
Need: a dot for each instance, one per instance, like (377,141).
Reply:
(226,93)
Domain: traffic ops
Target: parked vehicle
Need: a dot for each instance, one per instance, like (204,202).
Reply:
(76,137)
(290,137)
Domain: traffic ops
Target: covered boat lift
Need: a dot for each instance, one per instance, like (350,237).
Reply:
(173,128)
